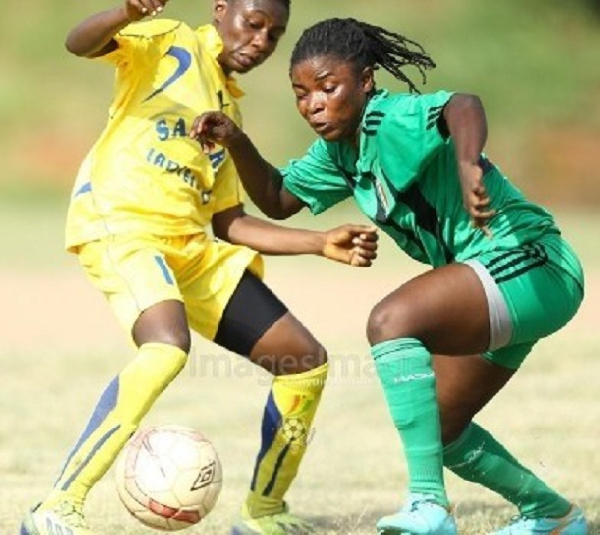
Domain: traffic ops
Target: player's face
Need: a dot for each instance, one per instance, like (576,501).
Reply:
(331,96)
(250,31)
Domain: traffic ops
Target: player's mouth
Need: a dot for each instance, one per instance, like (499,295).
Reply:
(247,61)
(321,128)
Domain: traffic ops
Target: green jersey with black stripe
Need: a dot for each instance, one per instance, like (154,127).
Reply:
(404,177)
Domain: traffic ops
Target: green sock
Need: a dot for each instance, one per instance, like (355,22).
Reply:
(404,368)
(478,457)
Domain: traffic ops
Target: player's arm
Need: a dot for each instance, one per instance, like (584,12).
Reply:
(467,124)
(262,181)
(355,245)
(93,37)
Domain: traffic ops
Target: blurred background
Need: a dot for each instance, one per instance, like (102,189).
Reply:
(536,66)
(534,63)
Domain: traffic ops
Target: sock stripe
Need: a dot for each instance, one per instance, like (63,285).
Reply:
(271,421)
(108,401)
(90,455)
(276,468)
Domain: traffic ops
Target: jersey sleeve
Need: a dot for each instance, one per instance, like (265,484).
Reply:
(409,136)
(142,43)
(315,179)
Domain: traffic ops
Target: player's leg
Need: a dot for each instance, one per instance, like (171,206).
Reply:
(227,302)
(445,309)
(145,298)
(466,384)
(256,324)
(245,317)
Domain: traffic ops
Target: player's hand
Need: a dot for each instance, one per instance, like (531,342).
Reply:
(475,197)
(355,245)
(214,127)
(138,9)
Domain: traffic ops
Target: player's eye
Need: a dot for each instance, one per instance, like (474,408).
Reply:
(254,23)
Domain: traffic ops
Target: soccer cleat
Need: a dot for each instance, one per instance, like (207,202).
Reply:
(421,515)
(573,523)
(64,518)
(282,523)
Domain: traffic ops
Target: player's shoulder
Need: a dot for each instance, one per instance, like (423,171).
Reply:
(403,102)
(154,28)
(390,111)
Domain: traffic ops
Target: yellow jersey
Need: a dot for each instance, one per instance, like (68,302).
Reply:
(144,174)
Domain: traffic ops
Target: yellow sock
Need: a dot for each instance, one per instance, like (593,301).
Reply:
(126,400)
(287,420)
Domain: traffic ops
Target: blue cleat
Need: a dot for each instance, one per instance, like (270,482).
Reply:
(421,515)
(573,523)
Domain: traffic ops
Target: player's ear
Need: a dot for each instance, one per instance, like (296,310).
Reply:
(367,80)
(219,9)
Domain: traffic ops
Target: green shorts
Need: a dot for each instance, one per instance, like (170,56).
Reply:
(533,290)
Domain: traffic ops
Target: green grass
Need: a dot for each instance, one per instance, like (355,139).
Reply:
(353,472)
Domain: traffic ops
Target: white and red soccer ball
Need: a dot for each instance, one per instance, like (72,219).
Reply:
(169,477)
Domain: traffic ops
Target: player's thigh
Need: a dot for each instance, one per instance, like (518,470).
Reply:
(213,272)
(255,323)
(132,273)
(541,286)
(446,308)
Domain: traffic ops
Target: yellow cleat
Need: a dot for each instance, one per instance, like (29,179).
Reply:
(65,518)
(282,523)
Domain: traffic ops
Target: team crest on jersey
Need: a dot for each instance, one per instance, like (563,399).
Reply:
(216,158)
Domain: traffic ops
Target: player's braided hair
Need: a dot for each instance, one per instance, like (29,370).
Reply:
(364,45)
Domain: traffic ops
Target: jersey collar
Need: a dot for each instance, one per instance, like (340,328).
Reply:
(214,45)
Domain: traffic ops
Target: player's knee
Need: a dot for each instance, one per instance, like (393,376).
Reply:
(315,356)
(388,322)
(180,338)
(163,323)
(303,359)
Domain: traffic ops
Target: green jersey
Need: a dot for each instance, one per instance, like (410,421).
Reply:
(404,177)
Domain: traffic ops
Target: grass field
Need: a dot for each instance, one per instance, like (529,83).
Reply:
(59,346)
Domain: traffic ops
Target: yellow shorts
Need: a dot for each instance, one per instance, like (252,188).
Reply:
(136,272)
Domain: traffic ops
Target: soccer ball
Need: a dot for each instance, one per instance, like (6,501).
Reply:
(168,477)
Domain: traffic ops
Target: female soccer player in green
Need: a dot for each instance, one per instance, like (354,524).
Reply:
(502,275)
(137,220)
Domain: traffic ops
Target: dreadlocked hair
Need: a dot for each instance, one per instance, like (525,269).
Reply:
(365,45)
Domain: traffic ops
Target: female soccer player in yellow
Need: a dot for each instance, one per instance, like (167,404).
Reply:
(140,206)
